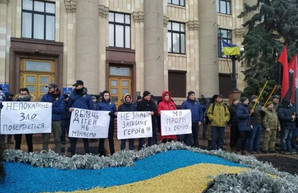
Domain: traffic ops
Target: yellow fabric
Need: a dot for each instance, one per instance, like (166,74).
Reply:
(231,51)
(189,179)
(220,115)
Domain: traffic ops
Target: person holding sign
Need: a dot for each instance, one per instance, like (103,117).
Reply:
(24,95)
(127,106)
(166,104)
(79,99)
(54,96)
(107,105)
(196,117)
(147,104)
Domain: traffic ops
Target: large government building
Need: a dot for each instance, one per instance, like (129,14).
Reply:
(120,45)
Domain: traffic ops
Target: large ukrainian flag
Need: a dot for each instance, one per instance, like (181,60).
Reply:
(230,49)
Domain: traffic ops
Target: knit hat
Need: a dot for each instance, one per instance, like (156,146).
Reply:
(146,93)
(52,85)
(190,93)
(242,99)
(253,97)
(139,97)
(269,103)
(276,97)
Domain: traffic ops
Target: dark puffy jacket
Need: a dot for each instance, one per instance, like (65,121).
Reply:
(285,117)
(243,118)
(107,106)
(82,100)
(126,107)
(144,105)
(233,116)
(256,116)
(195,108)
(57,105)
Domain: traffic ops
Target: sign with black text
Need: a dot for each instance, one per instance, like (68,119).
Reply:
(136,124)
(90,124)
(175,122)
(26,117)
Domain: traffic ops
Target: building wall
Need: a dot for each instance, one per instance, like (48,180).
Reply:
(65,29)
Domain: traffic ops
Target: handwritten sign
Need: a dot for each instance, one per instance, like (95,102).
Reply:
(175,122)
(134,125)
(91,124)
(26,117)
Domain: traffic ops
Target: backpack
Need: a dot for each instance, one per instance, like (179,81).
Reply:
(206,119)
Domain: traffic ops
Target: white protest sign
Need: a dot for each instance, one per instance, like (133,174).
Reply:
(91,124)
(26,117)
(135,124)
(175,122)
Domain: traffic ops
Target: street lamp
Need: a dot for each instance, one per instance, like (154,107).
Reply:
(234,79)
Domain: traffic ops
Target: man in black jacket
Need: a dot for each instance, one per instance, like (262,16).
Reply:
(147,104)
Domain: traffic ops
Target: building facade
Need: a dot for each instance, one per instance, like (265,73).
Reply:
(123,46)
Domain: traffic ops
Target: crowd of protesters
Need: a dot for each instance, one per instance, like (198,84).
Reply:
(253,128)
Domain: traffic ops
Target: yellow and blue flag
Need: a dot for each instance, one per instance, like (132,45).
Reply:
(230,49)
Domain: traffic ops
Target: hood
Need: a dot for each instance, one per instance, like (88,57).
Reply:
(164,94)
(127,94)
(82,91)
(32,98)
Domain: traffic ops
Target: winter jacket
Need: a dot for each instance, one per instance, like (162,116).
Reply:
(285,117)
(80,100)
(144,105)
(219,115)
(233,116)
(255,116)
(127,107)
(107,106)
(30,98)
(271,120)
(66,114)
(195,108)
(243,118)
(166,105)
(57,101)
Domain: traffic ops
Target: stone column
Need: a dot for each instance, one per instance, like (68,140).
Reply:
(208,59)
(87,48)
(154,47)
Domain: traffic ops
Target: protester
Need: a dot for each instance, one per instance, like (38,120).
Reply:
(79,99)
(147,104)
(65,120)
(107,105)
(127,106)
(244,125)
(287,121)
(166,104)
(234,130)
(275,101)
(270,127)
(204,103)
(24,96)
(196,116)
(8,97)
(94,100)
(256,121)
(139,98)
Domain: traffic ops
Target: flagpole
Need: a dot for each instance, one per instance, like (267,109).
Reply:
(270,95)
(260,95)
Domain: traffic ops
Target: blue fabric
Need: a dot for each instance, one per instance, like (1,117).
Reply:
(107,106)
(25,178)
(80,101)
(255,137)
(195,108)
(57,105)
(243,118)
(286,137)
(217,134)
(127,107)
(285,117)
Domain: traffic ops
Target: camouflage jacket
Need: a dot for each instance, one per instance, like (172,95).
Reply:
(271,120)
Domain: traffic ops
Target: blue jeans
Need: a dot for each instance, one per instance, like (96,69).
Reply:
(286,137)
(217,135)
(131,144)
(254,139)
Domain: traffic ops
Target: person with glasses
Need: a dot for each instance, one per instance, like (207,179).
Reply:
(54,96)
(24,96)
(79,99)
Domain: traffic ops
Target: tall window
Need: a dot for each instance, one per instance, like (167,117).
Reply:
(176,37)
(223,6)
(38,20)
(119,30)
(226,35)
(176,2)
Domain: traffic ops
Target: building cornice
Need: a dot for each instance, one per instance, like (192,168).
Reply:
(4,1)
(239,32)
(165,21)
(71,7)
(193,25)
(138,16)
(103,11)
